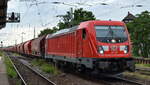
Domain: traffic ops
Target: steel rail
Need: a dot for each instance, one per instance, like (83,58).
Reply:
(127,80)
(39,74)
(143,69)
(23,81)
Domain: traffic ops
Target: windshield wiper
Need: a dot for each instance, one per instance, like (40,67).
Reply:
(111,33)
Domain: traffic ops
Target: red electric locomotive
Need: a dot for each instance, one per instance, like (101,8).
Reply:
(96,45)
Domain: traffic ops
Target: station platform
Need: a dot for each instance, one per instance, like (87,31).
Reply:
(3,74)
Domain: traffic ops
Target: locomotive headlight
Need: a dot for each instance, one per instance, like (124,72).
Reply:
(101,52)
(124,48)
(125,51)
(100,49)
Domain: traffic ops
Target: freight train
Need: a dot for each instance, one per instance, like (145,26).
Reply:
(102,46)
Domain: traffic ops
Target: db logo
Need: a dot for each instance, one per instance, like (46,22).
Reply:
(113,48)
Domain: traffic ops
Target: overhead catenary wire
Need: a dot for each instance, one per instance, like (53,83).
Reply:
(119,8)
(134,4)
(80,3)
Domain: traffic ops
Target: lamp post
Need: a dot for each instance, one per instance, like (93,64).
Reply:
(16,42)
(22,36)
(1,44)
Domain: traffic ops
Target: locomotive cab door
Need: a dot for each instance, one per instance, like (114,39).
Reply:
(86,45)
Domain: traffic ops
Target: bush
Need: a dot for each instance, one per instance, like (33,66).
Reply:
(44,66)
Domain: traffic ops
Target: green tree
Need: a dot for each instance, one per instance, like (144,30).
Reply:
(81,15)
(140,34)
(71,18)
(48,31)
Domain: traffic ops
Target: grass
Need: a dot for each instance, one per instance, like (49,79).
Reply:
(19,82)
(11,72)
(143,65)
(1,53)
(137,75)
(16,54)
(136,56)
(148,65)
(45,67)
(9,67)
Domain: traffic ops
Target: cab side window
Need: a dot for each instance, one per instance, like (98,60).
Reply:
(84,34)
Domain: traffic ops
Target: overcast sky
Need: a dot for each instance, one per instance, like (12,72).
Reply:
(44,14)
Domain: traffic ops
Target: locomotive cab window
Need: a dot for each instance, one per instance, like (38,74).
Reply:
(84,34)
(111,34)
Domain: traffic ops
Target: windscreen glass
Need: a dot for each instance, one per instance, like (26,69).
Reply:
(111,34)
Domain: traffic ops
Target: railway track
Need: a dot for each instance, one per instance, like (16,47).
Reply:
(28,75)
(117,80)
(143,71)
(109,79)
(126,81)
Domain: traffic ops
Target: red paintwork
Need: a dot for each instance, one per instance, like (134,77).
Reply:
(37,46)
(72,44)
(22,47)
(64,45)
(18,48)
(27,47)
